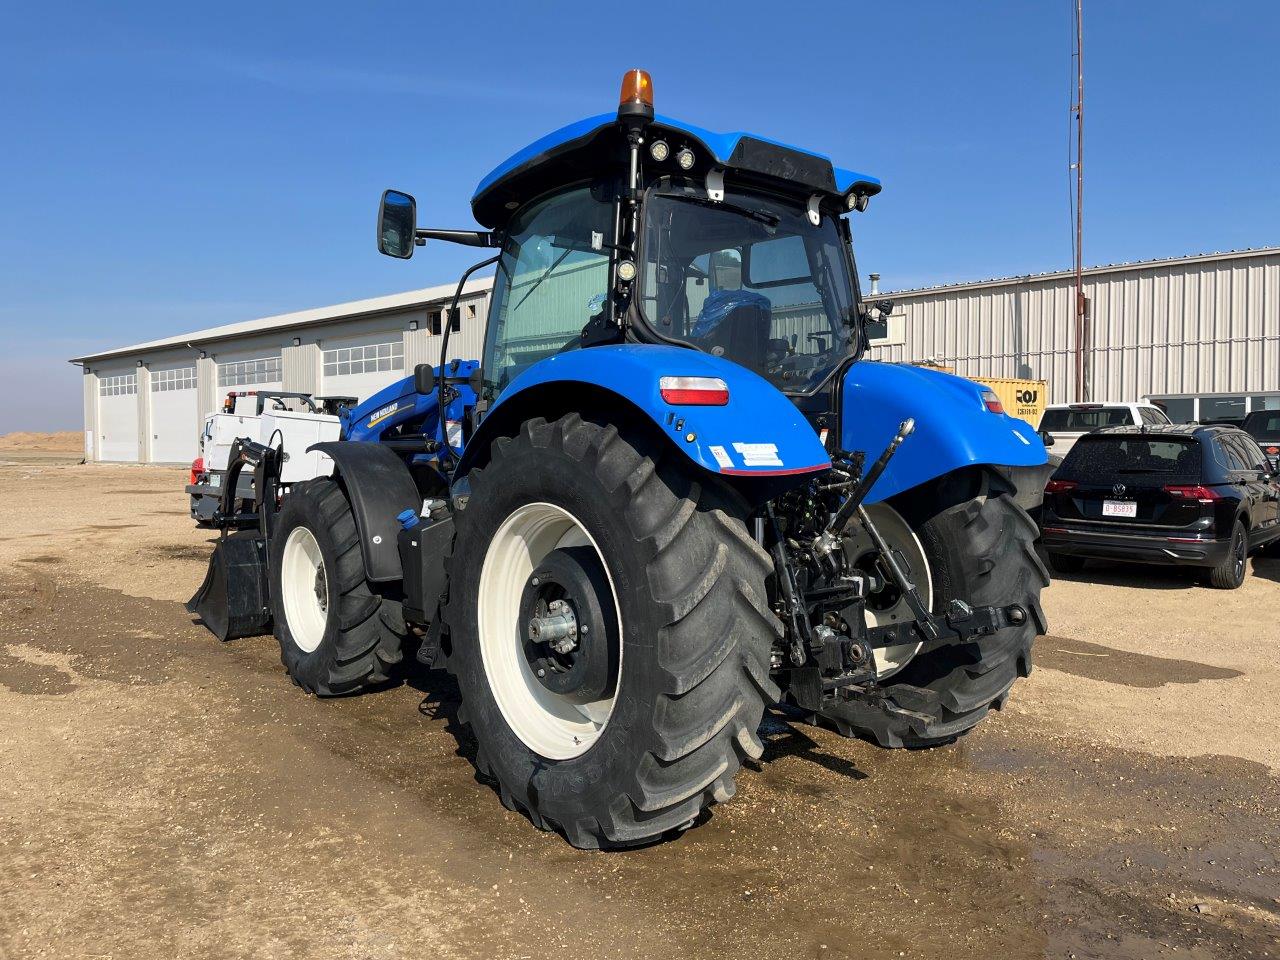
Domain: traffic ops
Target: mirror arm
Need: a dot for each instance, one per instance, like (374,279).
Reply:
(469,238)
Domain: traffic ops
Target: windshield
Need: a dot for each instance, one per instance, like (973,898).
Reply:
(749,279)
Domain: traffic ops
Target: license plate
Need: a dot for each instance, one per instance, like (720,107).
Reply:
(215,480)
(1119,508)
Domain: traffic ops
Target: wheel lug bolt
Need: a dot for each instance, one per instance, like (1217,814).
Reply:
(542,672)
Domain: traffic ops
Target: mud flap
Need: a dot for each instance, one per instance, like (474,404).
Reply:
(234,600)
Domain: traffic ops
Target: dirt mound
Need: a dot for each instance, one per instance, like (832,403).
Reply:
(64,441)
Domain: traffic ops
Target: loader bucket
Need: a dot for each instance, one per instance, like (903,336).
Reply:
(233,601)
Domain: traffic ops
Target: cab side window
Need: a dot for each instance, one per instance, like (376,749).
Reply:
(1252,454)
(1227,454)
(553,276)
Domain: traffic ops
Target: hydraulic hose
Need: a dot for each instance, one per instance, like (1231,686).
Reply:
(441,400)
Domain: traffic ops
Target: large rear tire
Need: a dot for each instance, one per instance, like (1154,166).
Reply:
(676,588)
(337,635)
(980,548)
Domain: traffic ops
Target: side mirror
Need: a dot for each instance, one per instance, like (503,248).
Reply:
(1046,438)
(885,307)
(424,378)
(397,224)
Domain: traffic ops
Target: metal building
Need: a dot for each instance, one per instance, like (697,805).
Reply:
(1199,334)
(147,402)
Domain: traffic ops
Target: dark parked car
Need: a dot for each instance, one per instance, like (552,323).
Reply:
(1198,496)
(1264,426)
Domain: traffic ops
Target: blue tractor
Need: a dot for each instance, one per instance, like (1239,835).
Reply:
(668,496)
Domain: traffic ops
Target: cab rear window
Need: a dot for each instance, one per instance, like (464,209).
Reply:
(1102,459)
(1082,421)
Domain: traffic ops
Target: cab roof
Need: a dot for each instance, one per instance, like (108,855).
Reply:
(581,150)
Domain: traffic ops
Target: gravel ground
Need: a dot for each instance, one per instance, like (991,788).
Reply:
(162,795)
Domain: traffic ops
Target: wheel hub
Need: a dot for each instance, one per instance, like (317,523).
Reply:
(568,616)
(558,629)
(886,605)
(322,588)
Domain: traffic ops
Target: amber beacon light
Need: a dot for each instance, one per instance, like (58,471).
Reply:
(637,94)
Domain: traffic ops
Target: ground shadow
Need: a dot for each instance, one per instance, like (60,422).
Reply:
(783,736)
(1268,568)
(1114,573)
(1093,661)
(441,700)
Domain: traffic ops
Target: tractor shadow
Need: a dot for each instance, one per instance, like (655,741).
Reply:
(784,735)
(441,701)
(783,730)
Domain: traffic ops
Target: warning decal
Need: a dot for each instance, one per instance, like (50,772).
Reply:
(759,454)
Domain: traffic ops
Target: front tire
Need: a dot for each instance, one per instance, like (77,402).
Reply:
(337,635)
(683,591)
(980,548)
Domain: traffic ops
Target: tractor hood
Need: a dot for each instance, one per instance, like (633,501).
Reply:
(585,149)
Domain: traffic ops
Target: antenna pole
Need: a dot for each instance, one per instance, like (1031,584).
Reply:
(1081,312)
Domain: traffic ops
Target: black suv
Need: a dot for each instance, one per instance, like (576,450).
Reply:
(1198,496)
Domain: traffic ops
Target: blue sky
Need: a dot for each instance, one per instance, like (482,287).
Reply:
(166,167)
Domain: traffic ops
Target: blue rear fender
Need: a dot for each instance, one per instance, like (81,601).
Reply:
(954,428)
(759,433)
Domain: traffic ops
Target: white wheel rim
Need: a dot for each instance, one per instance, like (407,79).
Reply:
(304,587)
(548,724)
(899,535)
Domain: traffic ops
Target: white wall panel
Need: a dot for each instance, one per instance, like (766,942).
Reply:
(1197,325)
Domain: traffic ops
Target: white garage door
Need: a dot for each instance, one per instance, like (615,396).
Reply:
(118,417)
(241,376)
(173,414)
(360,370)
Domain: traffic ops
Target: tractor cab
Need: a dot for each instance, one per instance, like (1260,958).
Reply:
(639,228)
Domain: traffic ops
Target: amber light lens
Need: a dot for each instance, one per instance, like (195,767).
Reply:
(637,87)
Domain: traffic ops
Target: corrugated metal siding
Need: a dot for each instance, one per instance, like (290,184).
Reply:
(466,343)
(90,414)
(1190,326)
(206,389)
(300,368)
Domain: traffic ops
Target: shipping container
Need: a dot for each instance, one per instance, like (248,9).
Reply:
(1024,399)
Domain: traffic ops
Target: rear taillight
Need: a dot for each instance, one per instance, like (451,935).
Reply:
(197,468)
(1272,451)
(992,402)
(1060,486)
(694,391)
(1198,493)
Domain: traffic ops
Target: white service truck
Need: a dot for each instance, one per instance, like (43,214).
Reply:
(296,420)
